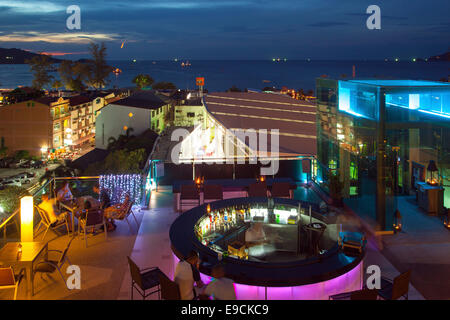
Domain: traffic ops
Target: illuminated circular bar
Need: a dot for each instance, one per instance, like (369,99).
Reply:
(284,272)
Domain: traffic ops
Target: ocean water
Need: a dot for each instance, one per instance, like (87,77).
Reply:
(221,75)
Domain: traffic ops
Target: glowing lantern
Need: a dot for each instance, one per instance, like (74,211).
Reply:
(397,221)
(26,219)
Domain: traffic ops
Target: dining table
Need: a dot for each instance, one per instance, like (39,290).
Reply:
(73,207)
(20,255)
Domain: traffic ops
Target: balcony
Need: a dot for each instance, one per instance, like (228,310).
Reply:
(101,263)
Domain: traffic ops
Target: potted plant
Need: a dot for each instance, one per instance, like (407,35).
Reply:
(335,186)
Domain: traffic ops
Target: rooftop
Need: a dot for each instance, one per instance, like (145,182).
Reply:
(295,119)
(77,100)
(142,99)
(401,83)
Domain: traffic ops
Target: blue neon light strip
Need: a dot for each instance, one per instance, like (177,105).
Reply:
(440,114)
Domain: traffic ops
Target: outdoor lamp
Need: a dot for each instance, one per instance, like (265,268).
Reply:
(397,221)
(447,220)
(26,219)
(432,173)
(262,178)
(208,208)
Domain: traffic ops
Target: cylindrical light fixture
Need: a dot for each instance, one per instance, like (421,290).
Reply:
(26,219)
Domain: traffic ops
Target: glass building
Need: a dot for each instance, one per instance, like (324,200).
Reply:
(379,136)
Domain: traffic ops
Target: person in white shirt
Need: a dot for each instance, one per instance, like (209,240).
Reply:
(255,240)
(255,234)
(186,274)
(220,288)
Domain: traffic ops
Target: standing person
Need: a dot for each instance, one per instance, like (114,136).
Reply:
(186,274)
(220,288)
(255,239)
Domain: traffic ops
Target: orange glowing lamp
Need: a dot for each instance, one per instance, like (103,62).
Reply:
(26,219)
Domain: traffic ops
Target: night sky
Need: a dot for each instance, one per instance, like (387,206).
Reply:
(230,29)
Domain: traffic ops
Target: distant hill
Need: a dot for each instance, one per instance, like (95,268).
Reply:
(441,57)
(18,56)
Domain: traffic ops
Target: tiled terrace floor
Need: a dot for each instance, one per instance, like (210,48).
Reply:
(423,246)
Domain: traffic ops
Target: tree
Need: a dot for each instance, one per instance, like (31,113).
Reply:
(19,95)
(40,66)
(10,200)
(75,76)
(57,84)
(99,69)
(121,141)
(143,80)
(164,86)
(119,162)
(3,151)
(22,154)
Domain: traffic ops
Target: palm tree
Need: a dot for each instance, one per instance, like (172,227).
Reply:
(121,141)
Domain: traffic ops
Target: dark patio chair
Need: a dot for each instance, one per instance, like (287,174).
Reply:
(364,294)
(190,194)
(144,279)
(45,222)
(9,280)
(212,192)
(281,190)
(258,189)
(169,289)
(394,289)
(49,266)
(92,220)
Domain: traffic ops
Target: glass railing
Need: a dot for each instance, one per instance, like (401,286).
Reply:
(80,186)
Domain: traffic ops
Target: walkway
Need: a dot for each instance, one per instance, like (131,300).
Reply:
(423,246)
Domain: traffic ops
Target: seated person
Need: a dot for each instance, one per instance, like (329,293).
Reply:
(186,274)
(255,235)
(220,288)
(117,211)
(64,193)
(104,200)
(53,214)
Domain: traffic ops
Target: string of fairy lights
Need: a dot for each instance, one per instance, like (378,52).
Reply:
(119,185)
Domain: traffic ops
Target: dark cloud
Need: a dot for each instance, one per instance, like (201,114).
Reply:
(258,29)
